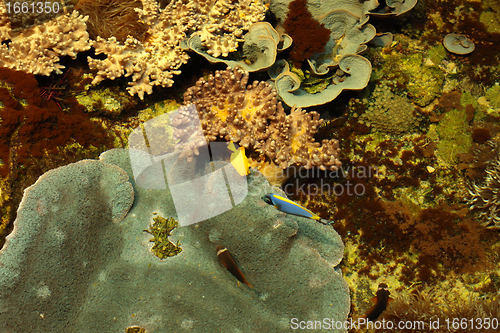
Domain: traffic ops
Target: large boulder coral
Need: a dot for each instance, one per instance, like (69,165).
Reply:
(50,256)
(73,264)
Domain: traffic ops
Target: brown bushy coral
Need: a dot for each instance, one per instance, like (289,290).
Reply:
(251,116)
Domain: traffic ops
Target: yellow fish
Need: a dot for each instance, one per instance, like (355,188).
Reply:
(239,160)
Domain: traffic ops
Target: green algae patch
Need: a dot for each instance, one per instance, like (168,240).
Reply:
(158,109)
(490,21)
(161,229)
(309,81)
(466,98)
(453,134)
(493,96)
(422,81)
(110,101)
(437,54)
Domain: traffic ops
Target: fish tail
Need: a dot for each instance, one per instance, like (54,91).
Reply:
(326,222)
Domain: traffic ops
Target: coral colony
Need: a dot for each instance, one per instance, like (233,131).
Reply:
(369,166)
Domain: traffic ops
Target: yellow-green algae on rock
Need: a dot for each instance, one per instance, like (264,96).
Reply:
(423,80)
(453,135)
(161,229)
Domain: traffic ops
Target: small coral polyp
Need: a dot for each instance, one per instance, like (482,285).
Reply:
(252,117)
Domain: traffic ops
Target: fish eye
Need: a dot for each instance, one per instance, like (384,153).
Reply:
(267,199)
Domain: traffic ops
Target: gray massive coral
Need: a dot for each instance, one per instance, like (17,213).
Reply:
(74,263)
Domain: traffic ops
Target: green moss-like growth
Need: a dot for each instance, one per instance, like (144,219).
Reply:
(161,229)
(466,98)
(158,109)
(437,54)
(110,101)
(493,96)
(421,80)
(454,137)
(490,21)
(310,82)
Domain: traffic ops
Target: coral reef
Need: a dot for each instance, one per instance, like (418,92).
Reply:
(5,28)
(37,50)
(341,32)
(252,117)
(394,7)
(222,23)
(399,210)
(154,61)
(353,73)
(92,264)
(260,46)
(389,113)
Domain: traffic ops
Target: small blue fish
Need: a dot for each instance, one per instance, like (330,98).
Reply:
(288,206)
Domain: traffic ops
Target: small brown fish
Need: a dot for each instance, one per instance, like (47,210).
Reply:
(228,262)
(381,301)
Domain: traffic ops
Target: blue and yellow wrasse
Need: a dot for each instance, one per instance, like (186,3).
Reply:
(288,206)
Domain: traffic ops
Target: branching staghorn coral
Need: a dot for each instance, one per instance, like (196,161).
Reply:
(155,60)
(251,116)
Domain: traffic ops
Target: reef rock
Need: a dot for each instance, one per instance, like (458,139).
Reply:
(73,264)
